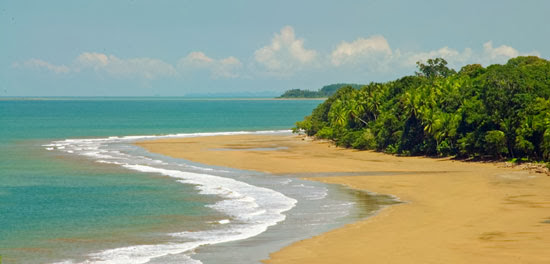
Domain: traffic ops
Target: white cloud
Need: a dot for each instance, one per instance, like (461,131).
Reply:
(146,68)
(222,68)
(285,54)
(502,53)
(227,67)
(360,50)
(196,60)
(452,56)
(40,64)
(456,59)
(143,68)
(374,54)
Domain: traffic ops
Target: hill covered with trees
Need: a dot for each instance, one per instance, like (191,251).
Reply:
(326,91)
(501,111)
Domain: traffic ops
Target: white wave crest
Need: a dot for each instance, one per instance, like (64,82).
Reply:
(252,209)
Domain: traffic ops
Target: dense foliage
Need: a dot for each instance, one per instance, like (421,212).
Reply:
(494,112)
(326,91)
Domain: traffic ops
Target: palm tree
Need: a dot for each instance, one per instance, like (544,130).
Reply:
(356,108)
(411,104)
(431,121)
(373,99)
(338,113)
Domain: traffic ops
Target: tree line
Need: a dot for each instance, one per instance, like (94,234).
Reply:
(501,111)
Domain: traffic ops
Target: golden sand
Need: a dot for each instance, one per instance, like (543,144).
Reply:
(455,212)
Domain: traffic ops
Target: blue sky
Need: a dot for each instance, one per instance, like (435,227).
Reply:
(144,48)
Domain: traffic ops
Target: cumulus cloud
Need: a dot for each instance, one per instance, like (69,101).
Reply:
(360,50)
(227,67)
(285,54)
(140,68)
(282,57)
(222,68)
(196,60)
(486,56)
(502,53)
(146,68)
(44,65)
(452,56)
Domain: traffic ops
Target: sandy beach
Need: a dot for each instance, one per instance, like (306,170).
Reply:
(454,211)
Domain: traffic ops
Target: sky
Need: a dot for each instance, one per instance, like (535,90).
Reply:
(182,48)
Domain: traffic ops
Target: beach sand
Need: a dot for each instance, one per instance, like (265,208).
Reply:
(454,211)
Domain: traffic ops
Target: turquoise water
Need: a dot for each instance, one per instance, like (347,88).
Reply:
(55,206)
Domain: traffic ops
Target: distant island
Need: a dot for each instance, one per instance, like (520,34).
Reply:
(326,91)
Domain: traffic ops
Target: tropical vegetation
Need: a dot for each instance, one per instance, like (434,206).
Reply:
(501,111)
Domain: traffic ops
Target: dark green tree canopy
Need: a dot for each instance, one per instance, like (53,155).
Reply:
(502,111)
(434,68)
(472,70)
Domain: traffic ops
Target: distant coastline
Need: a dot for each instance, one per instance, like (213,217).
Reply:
(299,98)
(325,92)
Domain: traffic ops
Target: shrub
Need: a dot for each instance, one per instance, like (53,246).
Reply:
(366,140)
(496,142)
(325,133)
(444,149)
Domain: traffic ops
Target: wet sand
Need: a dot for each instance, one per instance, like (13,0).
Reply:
(454,211)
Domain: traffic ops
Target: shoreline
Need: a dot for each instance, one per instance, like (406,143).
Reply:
(455,212)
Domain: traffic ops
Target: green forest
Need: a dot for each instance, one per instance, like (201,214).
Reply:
(326,91)
(497,112)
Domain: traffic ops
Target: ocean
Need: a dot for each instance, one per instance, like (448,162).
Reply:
(74,189)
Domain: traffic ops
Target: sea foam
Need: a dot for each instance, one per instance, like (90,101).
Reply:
(252,209)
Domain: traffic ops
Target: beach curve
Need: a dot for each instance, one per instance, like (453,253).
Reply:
(455,212)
